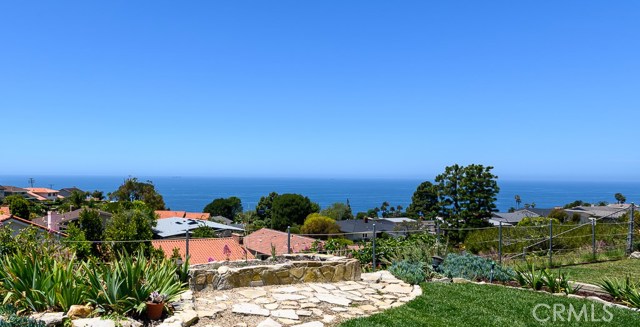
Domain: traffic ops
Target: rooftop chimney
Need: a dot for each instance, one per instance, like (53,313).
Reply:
(49,220)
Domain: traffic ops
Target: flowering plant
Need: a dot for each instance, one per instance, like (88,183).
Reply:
(156,297)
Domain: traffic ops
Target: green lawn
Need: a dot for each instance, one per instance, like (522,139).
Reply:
(451,305)
(595,272)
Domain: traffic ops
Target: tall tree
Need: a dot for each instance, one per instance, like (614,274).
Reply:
(620,198)
(467,195)
(290,209)
(518,201)
(424,201)
(132,190)
(228,208)
(263,209)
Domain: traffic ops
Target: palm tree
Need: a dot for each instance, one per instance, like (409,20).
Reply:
(518,201)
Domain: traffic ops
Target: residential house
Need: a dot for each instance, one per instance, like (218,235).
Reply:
(511,218)
(60,221)
(362,229)
(611,212)
(263,241)
(164,214)
(205,250)
(178,227)
(12,190)
(17,224)
(66,192)
(42,193)
(222,220)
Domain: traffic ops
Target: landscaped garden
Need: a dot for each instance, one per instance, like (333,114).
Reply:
(593,273)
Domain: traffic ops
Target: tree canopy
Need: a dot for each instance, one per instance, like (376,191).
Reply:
(132,190)
(132,224)
(290,209)
(18,206)
(228,208)
(620,198)
(338,211)
(316,223)
(424,202)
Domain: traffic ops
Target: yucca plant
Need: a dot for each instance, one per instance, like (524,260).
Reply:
(530,277)
(26,281)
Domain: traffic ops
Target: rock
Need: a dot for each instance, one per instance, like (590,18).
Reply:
(368,308)
(79,311)
(128,322)
(287,297)
(170,324)
(223,270)
(339,309)
(188,317)
(574,296)
(351,287)
(397,288)
(50,319)
(188,295)
(304,313)
(329,298)
(635,255)
(264,300)
(306,305)
(460,280)
(241,324)
(249,309)
(288,321)
(327,319)
(597,299)
(207,313)
(93,322)
(269,323)
(252,293)
(271,306)
(442,280)
(417,290)
(287,314)
(311,324)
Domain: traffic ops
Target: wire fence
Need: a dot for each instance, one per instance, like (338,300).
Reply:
(603,238)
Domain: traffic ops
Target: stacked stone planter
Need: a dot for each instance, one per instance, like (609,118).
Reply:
(298,269)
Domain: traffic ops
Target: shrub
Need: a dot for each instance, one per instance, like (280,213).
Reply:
(409,272)
(19,321)
(625,291)
(474,268)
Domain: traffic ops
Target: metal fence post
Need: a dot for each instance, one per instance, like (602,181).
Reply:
(186,256)
(288,239)
(500,243)
(550,243)
(630,236)
(374,247)
(593,237)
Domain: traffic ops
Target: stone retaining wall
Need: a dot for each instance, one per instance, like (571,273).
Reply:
(300,269)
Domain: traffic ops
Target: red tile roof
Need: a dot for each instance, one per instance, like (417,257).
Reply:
(202,249)
(163,214)
(40,190)
(260,241)
(5,211)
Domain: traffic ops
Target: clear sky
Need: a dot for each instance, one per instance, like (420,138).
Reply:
(389,89)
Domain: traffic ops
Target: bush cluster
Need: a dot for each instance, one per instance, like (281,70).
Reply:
(474,268)
(409,272)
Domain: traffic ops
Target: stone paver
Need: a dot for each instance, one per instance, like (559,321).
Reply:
(303,305)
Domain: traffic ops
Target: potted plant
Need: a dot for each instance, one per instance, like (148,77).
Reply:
(155,305)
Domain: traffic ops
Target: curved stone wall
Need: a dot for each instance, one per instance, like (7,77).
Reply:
(299,269)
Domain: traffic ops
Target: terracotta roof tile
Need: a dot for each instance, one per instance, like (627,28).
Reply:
(260,241)
(5,211)
(201,249)
(163,214)
(198,215)
(40,190)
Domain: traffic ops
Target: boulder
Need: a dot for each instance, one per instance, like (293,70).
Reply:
(635,255)
(79,311)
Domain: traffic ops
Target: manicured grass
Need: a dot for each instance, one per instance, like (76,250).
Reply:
(451,305)
(595,272)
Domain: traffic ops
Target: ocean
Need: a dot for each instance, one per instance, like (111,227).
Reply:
(193,193)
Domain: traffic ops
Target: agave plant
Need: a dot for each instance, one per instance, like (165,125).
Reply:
(530,277)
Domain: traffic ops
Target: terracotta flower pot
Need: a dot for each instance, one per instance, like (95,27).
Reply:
(154,310)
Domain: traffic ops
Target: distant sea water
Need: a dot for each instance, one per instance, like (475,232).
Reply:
(193,193)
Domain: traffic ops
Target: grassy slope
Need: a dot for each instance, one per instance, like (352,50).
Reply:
(595,272)
(474,305)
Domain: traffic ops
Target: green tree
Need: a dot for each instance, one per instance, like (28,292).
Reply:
(134,224)
(91,225)
(518,201)
(18,206)
(316,223)
(77,199)
(290,209)
(228,208)
(338,211)
(97,195)
(620,198)
(559,215)
(467,195)
(424,201)
(132,190)
(263,209)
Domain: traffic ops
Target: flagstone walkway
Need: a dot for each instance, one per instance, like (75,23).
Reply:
(302,305)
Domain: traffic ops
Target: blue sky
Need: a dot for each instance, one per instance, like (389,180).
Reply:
(388,89)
